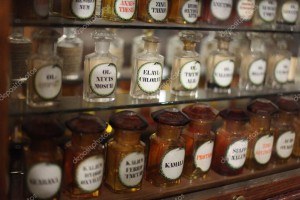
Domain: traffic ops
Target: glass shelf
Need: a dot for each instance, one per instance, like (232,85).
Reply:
(71,104)
(100,23)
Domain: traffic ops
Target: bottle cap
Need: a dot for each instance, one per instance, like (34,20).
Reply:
(190,36)
(234,114)
(128,120)
(170,116)
(201,112)
(151,39)
(288,104)
(262,107)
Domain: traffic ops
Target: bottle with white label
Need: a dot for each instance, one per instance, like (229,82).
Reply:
(220,66)
(167,148)
(184,11)
(154,11)
(84,157)
(243,12)
(287,12)
(100,70)
(231,143)
(284,132)
(218,11)
(278,64)
(119,10)
(265,13)
(43,158)
(70,48)
(75,9)
(45,71)
(260,136)
(185,75)
(199,140)
(147,71)
(125,160)
(253,65)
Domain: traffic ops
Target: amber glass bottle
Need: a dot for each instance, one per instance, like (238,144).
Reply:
(184,11)
(153,11)
(217,11)
(167,148)
(43,159)
(119,10)
(125,153)
(231,143)
(84,157)
(260,136)
(199,140)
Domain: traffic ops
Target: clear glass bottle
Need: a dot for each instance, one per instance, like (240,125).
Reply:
(174,47)
(125,153)
(167,148)
(220,66)
(153,11)
(43,159)
(218,11)
(184,11)
(147,71)
(70,48)
(231,143)
(44,85)
(261,137)
(287,11)
(243,12)
(75,9)
(253,65)
(265,13)
(84,157)
(278,64)
(208,45)
(186,66)
(100,71)
(119,10)
(199,140)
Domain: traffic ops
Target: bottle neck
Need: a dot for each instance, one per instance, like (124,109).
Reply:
(256,45)
(46,48)
(43,145)
(85,140)
(223,45)
(200,126)
(260,122)
(151,47)
(232,126)
(189,46)
(102,46)
(168,132)
(69,33)
(127,137)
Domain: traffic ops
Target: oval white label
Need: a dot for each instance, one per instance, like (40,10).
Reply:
(221,9)
(125,9)
(263,149)
(285,144)
(103,79)
(223,73)
(203,156)
(158,9)
(172,163)
(245,9)
(83,9)
(257,71)
(89,173)
(190,75)
(289,11)
(131,169)
(41,7)
(149,77)
(236,154)
(267,10)
(190,11)
(44,180)
(281,71)
(48,81)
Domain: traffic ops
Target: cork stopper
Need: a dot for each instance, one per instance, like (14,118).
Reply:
(262,107)
(128,120)
(201,112)
(170,116)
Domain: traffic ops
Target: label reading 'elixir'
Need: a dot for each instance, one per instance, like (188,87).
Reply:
(172,164)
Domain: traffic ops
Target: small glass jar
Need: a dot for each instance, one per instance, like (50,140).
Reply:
(265,13)
(119,10)
(167,148)
(231,143)
(199,140)
(43,159)
(84,157)
(184,11)
(218,11)
(287,12)
(154,11)
(125,153)
(75,9)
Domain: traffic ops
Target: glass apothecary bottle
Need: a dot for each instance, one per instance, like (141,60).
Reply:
(43,159)
(100,70)
(174,47)
(217,11)
(284,132)
(167,148)
(253,65)
(199,140)
(231,143)
(44,84)
(70,48)
(287,12)
(243,12)
(220,66)
(147,71)
(84,157)
(119,10)
(261,136)
(125,153)
(75,9)
(186,66)
(265,13)
(153,11)
(31,9)
(184,11)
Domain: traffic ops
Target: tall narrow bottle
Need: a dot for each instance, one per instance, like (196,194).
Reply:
(265,13)
(119,10)
(184,11)
(154,11)
(147,71)
(100,70)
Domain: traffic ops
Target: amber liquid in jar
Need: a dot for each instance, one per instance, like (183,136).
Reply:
(184,11)
(153,11)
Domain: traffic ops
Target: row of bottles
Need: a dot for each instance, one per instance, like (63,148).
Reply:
(183,145)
